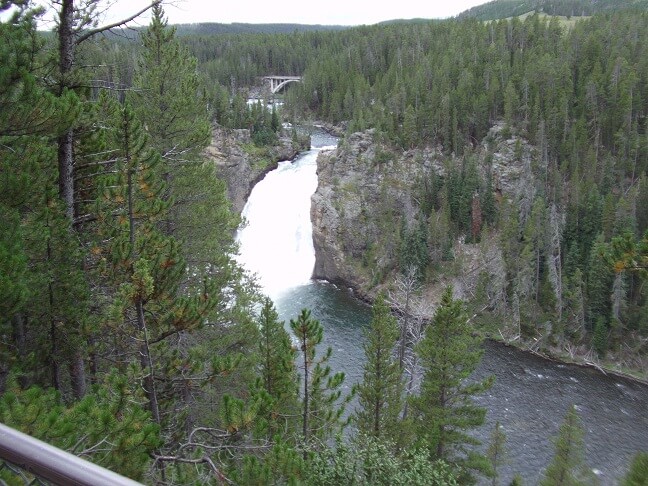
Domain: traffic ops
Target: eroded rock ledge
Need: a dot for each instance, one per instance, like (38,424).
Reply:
(241,165)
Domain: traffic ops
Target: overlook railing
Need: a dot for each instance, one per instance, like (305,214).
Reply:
(35,462)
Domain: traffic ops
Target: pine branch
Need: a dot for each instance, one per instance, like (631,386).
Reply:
(202,460)
(114,25)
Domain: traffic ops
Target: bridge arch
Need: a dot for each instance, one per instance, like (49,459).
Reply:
(277,83)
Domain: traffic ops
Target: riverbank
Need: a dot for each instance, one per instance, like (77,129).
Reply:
(370,209)
(553,355)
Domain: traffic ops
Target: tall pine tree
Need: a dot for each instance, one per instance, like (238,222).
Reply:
(379,394)
(444,411)
(568,466)
(320,412)
(277,368)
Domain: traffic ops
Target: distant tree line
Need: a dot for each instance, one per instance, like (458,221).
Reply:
(501,9)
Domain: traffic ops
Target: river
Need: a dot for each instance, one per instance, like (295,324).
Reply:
(531,395)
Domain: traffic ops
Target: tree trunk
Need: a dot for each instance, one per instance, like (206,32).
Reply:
(66,141)
(78,374)
(146,362)
(18,322)
(66,173)
(67,48)
(306,397)
(403,334)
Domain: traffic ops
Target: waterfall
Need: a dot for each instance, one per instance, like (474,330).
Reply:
(276,242)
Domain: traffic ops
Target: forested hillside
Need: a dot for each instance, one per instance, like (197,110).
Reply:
(572,102)
(573,105)
(240,28)
(502,9)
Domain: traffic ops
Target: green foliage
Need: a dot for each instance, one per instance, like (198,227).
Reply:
(500,9)
(379,394)
(108,426)
(264,124)
(638,473)
(517,481)
(600,337)
(172,108)
(371,461)
(444,410)
(170,102)
(281,465)
(414,251)
(278,375)
(40,265)
(631,254)
(27,108)
(321,390)
(599,283)
(568,465)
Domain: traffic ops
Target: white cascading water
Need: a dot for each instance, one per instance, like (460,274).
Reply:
(276,243)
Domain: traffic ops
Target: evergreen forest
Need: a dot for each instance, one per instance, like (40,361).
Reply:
(131,337)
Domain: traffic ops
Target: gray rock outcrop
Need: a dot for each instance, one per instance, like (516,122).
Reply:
(242,168)
(368,194)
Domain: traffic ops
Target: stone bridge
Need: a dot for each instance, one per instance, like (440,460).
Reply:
(278,82)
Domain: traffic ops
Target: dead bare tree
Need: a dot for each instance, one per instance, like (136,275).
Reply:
(554,261)
(407,286)
(413,317)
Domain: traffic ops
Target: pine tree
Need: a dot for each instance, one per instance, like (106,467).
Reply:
(600,337)
(599,283)
(476,219)
(574,313)
(39,260)
(321,389)
(76,24)
(568,466)
(379,394)
(370,461)
(108,426)
(170,105)
(444,410)
(511,105)
(533,253)
(60,293)
(277,369)
(143,265)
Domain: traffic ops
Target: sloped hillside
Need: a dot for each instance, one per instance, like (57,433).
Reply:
(501,9)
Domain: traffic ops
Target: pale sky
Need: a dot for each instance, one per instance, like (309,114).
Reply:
(326,12)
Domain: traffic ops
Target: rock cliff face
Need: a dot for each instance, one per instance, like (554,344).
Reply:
(362,191)
(367,195)
(241,164)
